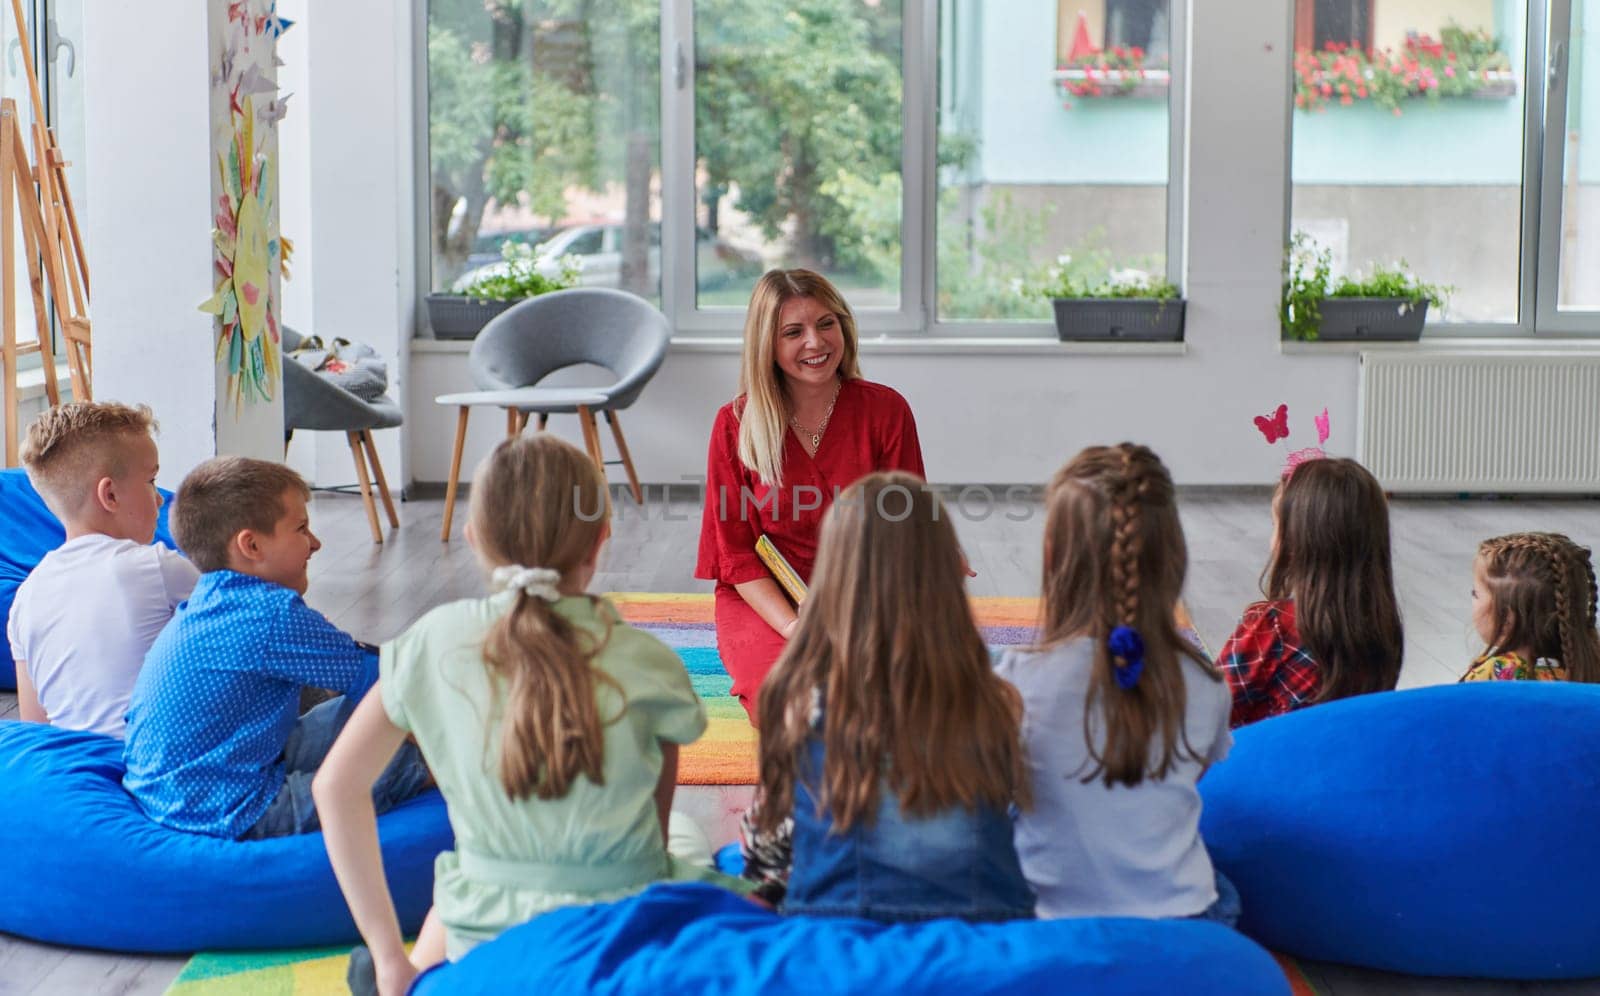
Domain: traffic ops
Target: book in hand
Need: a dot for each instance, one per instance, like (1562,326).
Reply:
(781,571)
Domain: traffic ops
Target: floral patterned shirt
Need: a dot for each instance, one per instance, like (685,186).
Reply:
(1511,667)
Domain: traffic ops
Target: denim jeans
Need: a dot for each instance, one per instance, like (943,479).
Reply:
(293,810)
(953,863)
(1227,908)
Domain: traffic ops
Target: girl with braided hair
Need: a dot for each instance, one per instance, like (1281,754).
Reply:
(1121,716)
(1330,625)
(1533,604)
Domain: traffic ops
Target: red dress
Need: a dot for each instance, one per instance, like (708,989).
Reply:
(871,429)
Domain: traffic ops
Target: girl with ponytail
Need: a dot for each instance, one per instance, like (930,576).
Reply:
(551,726)
(1533,604)
(1121,716)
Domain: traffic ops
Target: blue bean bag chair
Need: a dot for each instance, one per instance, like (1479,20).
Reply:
(28,531)
(84,867)
(693,938)
(1439,831)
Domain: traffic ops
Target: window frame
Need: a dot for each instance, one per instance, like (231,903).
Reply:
(916,316)
(1177,176)
(1546,69)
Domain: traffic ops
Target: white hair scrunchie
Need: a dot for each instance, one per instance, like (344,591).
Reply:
(540,582)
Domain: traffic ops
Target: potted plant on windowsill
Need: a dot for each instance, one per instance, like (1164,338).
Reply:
(1388,305)
(1131,307)
(519,275)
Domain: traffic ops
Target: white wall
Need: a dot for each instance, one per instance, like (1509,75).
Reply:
(359,114)
(1016,416)
(148,224)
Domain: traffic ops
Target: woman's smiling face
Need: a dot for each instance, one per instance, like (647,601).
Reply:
(809,343)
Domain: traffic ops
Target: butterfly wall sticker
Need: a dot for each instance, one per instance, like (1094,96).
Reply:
(1275,427)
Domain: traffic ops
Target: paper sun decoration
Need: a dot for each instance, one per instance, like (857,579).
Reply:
(248,340)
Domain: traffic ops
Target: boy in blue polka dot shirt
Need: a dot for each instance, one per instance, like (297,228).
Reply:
(216,743)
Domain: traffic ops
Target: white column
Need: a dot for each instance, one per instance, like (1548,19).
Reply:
(358,65)
(157,124)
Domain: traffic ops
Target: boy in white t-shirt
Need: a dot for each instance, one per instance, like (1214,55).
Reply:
(84,618)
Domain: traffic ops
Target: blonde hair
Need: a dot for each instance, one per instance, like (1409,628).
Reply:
(764,418)
(68,449)
(1114,555)
(540,502)
(225,496)
(1542,596)
(888,639)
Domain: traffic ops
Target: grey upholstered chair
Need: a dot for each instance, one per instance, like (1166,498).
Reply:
(609,328)
(316,404)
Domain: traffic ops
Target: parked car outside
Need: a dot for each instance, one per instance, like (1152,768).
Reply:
(597,250)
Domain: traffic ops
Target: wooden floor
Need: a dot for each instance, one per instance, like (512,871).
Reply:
(374,592)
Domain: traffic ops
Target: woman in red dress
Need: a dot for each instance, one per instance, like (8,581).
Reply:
(804,427)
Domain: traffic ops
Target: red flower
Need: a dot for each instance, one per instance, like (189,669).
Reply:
(1345,100)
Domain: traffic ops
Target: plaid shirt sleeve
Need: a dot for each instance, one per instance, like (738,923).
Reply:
(1268,671)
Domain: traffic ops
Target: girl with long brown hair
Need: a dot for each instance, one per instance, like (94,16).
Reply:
(1533,604)
(1330,625)
(551,726)
(885,735)
(1121,714)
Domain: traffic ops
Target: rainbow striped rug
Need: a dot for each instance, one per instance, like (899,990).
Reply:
(726,755)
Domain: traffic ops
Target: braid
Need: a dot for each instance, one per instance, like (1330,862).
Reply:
(1127,540)
(1558,560)
(1554,560)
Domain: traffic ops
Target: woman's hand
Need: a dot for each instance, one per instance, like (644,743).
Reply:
(787,632)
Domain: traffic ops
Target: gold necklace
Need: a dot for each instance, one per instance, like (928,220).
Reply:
(816,435)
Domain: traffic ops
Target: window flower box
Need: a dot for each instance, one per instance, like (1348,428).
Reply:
(1118,319)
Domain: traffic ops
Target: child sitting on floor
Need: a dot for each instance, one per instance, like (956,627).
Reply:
(1533,604)
(552,727)
(1330,627)
(1121,716)
(886,737)
(84,618)
(216,744)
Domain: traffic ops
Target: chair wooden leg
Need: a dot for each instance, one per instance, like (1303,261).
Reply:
(627,460)
(591,437)
(366,485)
(513,423)
(455,472)
(377,473)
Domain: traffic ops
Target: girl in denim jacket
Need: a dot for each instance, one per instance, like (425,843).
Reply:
(886,736)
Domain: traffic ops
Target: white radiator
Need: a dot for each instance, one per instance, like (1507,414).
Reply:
(1482,420)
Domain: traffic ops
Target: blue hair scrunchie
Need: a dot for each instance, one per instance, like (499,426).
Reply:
(1126,643)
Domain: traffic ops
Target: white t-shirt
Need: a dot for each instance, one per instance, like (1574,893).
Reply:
(1089,850)
(83,619)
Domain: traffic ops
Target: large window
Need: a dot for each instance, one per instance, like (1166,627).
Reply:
(544,129)
(1040,173)
(935,158)
(1409,143)
(945,160)
(797,134)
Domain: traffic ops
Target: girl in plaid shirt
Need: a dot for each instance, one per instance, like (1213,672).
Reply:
(1329,627)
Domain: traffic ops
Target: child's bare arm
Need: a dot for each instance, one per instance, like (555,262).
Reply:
(28,707)
(667,784)
(343,793)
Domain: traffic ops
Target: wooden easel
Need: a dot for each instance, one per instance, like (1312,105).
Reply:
(52,245)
